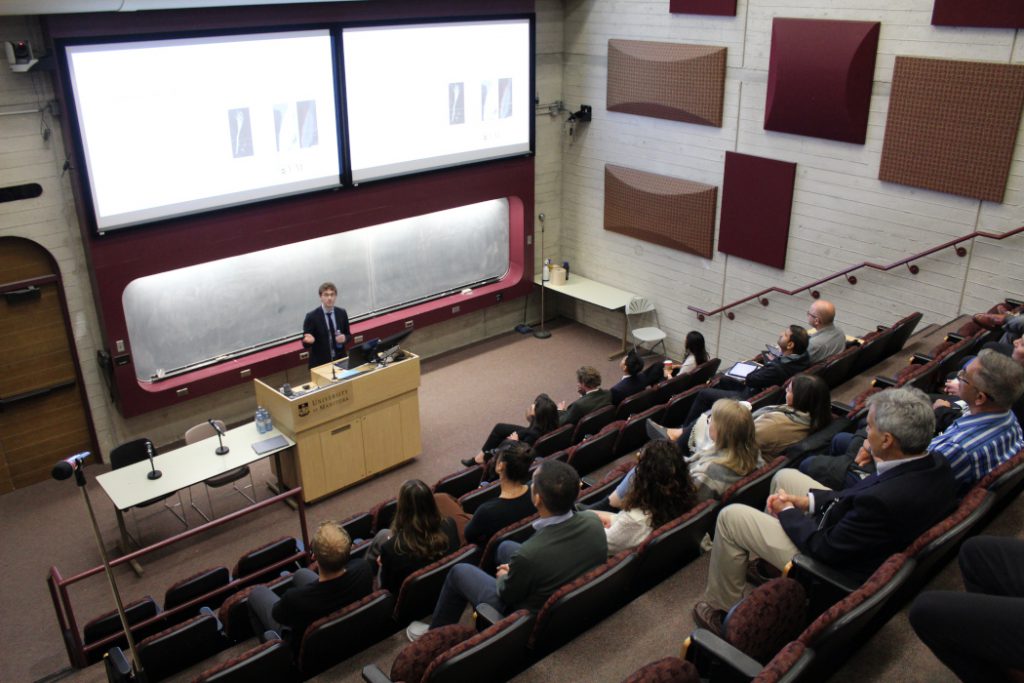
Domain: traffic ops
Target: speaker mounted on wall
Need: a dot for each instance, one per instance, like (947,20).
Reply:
(980,13)
(671,212)
(820,77)
(757,202)
(722,8)
(667,80)
(952,126)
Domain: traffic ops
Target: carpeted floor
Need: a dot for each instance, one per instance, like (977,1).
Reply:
(462,394)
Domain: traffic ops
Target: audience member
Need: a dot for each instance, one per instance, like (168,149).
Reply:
(978,634)
(695,353)
(513,504)
(592,396)
(661,491)
(337,582)
(633,380)
(565,545)
(417,537)
(826,339)
(1011,324)
(854,529)
(541,418)
(794,359)
(808,409)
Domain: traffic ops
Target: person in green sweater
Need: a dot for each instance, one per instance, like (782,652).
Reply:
(565,545)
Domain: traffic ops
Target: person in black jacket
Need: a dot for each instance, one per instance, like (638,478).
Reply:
(793,345)
(325,329)
(513,504)
(633,379)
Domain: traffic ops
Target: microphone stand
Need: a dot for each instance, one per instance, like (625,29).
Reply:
(153,473)
(541,333)
(221,449)
(138,674)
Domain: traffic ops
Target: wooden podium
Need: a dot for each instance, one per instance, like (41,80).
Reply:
(347,429)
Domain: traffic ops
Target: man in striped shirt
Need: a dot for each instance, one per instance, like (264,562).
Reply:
(988,434)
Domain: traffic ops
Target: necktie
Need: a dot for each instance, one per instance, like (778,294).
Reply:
(330,327)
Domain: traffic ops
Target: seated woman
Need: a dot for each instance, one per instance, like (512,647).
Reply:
(418,536)
(633,380)
(694,353)
(513,504)
(661,491)
(808,409)
(541,417)
(729,453)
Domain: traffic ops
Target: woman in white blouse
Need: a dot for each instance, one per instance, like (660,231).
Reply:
(661,491)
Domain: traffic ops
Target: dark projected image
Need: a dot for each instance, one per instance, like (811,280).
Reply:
(456,103)
(241,132)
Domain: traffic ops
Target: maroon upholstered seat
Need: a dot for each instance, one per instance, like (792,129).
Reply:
(419,591)
(672,545)
(340,635)
(667,670)
(413,661)
(516,531)
(383,513)
(264,562)
(783,664)
(269,661)
(772,615)
(633,433)
(753,489)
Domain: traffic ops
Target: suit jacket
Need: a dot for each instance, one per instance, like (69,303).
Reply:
(627,386)
(585,404)
(776,372)
(552,557)
(857,528)
(316,325)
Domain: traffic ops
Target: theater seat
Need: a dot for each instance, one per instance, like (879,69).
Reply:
(109,624)
(180,646)
(516,531)
(350,630)
(195,586)
(461,482)
(234,613)
(419,591)
(753,489)
(594,452)
(267,561)
(667,670)
(593,422)
(672,545)
(555,440)
(633,434)
(269,661)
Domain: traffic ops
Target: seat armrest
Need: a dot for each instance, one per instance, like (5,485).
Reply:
(373,674)
(953,337)
(804,568)
(883,382)
(270,634)
(119,669)
(840,408)
(920,359)
(1014,303)
(487,616)
(881,328)
(588,482)
(703,644)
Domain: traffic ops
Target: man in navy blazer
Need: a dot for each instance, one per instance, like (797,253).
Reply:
(853,530)
(325,329)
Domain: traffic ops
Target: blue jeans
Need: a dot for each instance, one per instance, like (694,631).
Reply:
(467,583)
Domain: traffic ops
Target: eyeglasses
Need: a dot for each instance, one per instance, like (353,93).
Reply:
(962,377)
(812,314)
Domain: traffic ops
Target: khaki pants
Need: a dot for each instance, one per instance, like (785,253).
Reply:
(741,532)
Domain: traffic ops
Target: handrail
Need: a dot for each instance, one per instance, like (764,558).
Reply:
(914,270)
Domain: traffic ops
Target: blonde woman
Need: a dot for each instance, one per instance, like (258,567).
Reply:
(729,452)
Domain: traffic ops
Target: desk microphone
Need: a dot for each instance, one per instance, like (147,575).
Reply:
(66,467)
(154,473)
(222,449)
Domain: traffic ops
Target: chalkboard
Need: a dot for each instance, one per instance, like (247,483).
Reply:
(187,318)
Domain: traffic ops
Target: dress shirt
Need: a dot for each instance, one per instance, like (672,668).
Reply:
(975,445)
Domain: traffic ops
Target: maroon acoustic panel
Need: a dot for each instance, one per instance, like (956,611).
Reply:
(983,13)
(666,80)
(668,211)
(722,8)
(952,126)
(757,200)
(820,76)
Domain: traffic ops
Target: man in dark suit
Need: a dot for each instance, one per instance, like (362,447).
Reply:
(633,378)
(325,329)
(592,396)
(793,345)
(854,530)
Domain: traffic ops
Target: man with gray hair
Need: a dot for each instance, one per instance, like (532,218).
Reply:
(988,434)
(854,530)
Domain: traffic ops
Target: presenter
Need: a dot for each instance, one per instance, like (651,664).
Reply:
(325,329)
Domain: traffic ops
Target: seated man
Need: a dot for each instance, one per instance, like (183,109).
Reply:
(988,434)
(977,634)
(793,345)
(633,378)
(979,440)
(592,396)
(827,339)
(855,529)
(565,545)
(310,596)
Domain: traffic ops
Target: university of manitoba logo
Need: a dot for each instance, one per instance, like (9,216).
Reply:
(303,409)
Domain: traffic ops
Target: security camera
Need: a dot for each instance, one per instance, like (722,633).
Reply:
(19,55)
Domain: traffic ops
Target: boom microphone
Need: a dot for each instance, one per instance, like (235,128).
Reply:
(216,427)
(66,467)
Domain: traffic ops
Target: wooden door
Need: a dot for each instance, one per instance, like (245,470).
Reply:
(43,413)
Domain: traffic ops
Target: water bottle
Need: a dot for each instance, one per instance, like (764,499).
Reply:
(260,424)
(565,264)
(546,273)
(268,422)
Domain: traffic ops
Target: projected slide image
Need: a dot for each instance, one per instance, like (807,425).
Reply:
(308,133)
(489,100)
(456,103)
(504,98)
(241,132)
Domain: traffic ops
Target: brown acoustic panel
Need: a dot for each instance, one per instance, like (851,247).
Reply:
(820,76)
(722,8)
(983,13)
(757,201)
(668,211)
(667,80)
(952,126)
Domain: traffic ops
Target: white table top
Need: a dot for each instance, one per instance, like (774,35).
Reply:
(591,291)
(185,466)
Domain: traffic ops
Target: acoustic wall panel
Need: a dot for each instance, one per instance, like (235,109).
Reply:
(757,200)
(723,8)
(952,125)
(668,211)
(667,80)
(983,13)
(820,76)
